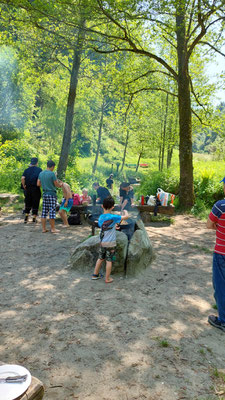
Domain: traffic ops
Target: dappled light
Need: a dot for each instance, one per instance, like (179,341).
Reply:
(142,337)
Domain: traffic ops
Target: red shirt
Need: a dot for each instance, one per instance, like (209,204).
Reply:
(217,215)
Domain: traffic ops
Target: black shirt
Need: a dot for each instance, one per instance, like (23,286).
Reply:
(127,196)
(103,193)
(109,183)
(31,175)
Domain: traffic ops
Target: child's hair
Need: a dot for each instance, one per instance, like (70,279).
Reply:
(108,203)
(50,164)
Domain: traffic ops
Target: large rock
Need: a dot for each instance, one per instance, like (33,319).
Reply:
(140,251)
(130,258)
(85,254)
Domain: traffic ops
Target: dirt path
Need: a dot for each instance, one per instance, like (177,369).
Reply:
(140,338)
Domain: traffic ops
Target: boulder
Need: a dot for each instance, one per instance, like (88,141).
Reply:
(130,258)
(85,254)
(140,251)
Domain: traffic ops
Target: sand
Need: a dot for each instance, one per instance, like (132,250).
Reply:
(145,337)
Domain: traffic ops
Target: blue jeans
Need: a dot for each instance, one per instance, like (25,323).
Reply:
(219,284)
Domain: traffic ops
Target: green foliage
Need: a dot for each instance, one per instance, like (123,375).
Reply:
(166,180)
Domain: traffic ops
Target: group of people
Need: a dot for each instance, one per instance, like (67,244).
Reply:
(34,178)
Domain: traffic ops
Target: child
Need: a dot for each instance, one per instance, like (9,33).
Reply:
(84,198)
(66,204)
(107,222)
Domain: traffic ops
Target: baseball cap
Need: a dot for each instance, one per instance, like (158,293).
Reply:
(33,161)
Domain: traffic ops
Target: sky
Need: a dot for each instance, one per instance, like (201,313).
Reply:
(214,68)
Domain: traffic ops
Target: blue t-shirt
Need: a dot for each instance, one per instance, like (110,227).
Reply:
(109,221)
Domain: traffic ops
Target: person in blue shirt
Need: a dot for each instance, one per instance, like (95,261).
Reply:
(107,222)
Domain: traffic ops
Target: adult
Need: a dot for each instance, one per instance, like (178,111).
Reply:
(48,181)
(216,221)
(109,182)
(126,196)
(102,192)
(32,192)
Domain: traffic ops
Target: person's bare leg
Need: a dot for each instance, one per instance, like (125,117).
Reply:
(52,224)
(108,278)
(98,266)
(43,223)
(63,215)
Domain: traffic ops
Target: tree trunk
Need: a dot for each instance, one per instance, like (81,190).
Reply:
(164,133)
(127,132)
(139,157)
(99,136)
(186,192)
(63,160)
(125,147)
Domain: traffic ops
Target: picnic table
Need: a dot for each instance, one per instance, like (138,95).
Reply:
(144,210)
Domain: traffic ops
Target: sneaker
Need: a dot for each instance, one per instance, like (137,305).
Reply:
(95,277)
(26,219)
(213,320)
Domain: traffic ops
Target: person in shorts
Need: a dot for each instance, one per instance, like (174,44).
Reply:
(67,203)
(107,222)
(48,181)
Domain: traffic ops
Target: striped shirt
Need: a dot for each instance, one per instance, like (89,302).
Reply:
(217,215)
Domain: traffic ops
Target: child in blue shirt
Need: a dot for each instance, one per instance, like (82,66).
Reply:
(107,222)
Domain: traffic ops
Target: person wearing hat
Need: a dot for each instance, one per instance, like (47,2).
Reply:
(216,221)
(31,190)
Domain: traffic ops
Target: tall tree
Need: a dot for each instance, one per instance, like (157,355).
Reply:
(180,27)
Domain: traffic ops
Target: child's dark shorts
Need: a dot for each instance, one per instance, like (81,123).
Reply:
(107,253)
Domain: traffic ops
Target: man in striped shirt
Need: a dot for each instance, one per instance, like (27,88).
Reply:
(216,221)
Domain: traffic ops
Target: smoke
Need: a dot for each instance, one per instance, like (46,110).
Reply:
(11,120)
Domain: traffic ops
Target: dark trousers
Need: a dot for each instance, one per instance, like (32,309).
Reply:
(219,284)
(32,199)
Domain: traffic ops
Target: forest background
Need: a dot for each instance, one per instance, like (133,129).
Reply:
(103,87)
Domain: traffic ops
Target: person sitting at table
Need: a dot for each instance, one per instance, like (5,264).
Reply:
(102,192)
(126,196)
(84,198)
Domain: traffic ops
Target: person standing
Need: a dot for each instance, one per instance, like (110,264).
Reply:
(216,221)
(48,181)
(107,222)
(32,192)
(109,182)
(67,203)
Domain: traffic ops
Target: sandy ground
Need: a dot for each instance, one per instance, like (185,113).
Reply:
(145,337)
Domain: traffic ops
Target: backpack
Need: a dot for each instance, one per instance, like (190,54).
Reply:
(76,199)
(74,219)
